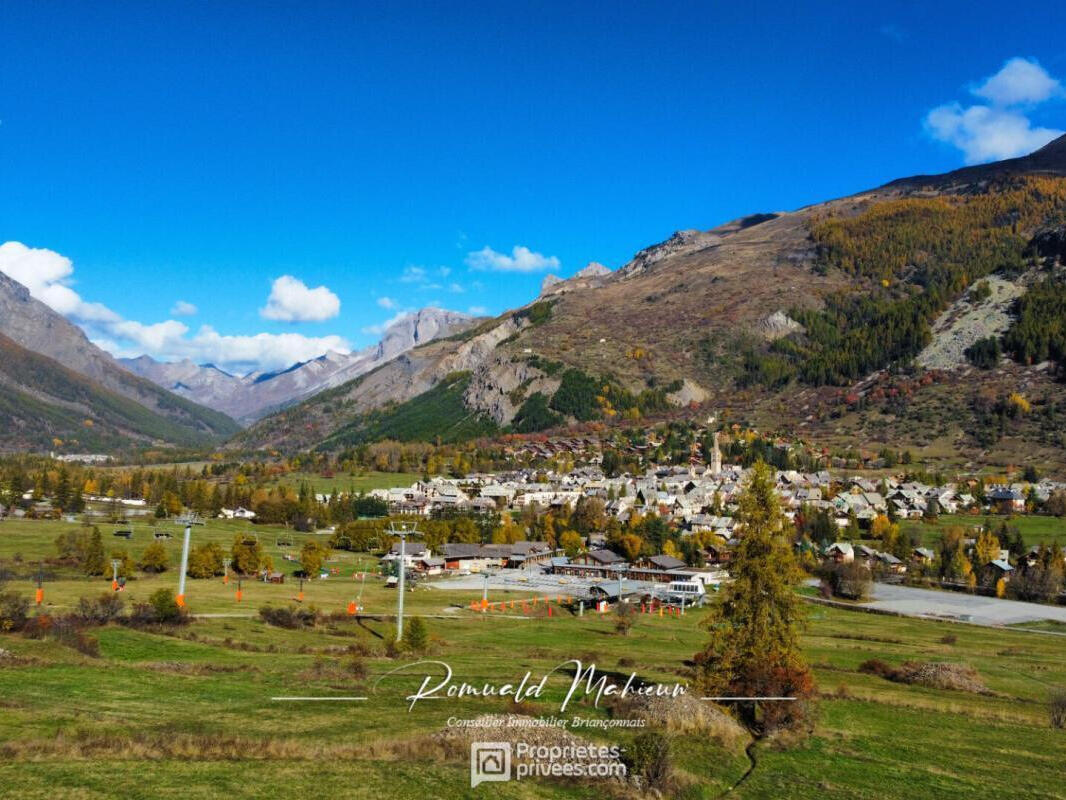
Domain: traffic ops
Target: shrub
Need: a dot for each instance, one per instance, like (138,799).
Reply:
(623,618)
(165,608)
(67,633)
(949,638)
(358,667)
(14,611)
(154,558)
(104,609)
(649,757)
(776,681)
(415,635)
(881,669)
(291,617)
(1057,709)
(851,581)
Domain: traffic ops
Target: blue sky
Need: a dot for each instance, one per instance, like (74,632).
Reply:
(297,174)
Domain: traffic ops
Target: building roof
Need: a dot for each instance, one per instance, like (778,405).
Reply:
(665,562)
(605,556)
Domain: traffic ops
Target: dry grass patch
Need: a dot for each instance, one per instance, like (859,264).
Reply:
(685,714)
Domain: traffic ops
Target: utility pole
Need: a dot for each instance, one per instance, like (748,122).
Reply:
(114,574)
(403,532)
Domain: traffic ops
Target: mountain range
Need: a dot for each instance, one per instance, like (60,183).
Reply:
(926,313)
(57,385)
(846,321)
(246,398)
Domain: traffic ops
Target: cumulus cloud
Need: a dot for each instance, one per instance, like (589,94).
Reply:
(987,134)
(183,309)
(1002,128)
(478,311)
(1019,81)
(386,302)
(291,300)
(522,259)
(49,275)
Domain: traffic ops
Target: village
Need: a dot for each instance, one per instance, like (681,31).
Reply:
(698,503)
(663,534)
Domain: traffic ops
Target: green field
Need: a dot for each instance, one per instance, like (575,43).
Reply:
(354,483)
(1035,529)
(188,713)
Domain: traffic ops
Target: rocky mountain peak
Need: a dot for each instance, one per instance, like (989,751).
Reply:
(681,242)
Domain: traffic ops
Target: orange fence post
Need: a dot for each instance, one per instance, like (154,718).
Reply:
(351,609)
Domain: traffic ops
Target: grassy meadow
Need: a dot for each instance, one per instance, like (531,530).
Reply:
(346,482)
(1035,529)
(188,712)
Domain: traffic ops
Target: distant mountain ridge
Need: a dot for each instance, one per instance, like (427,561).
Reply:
(247,398)
(59,385)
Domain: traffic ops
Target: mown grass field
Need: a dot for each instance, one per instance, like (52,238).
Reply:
(1035,529)
(345,482)
(188,713)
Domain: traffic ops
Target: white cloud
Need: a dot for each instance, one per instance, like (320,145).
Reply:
(386,302)
(478,311)
(413,274)
(522,259)
(987,134)
(291,301)
(183,309)
(1019,81)
(48,276)
(455,287)
(265,351)
(1001,129)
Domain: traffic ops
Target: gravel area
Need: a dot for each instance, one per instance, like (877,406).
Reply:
(979,610)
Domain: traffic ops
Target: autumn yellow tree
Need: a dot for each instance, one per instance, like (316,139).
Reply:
(571,542)
(986,550)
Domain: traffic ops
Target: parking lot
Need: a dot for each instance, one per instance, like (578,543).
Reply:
(960,606)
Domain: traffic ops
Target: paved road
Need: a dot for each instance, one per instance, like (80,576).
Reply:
(958,605)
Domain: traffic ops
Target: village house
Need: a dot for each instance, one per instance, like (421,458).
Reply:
(662,562)
(600,558)
(840,553)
